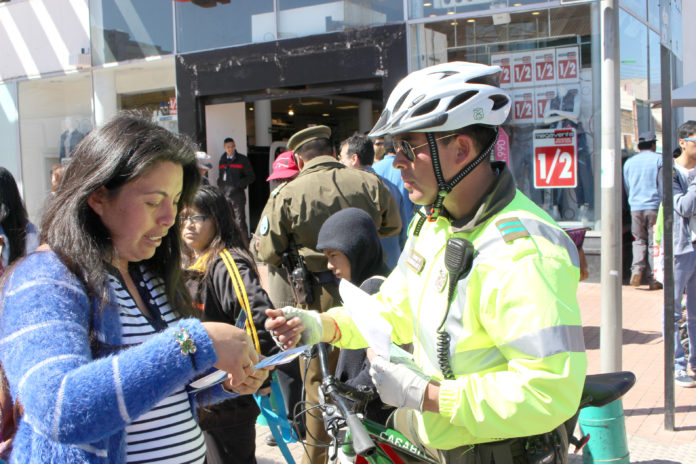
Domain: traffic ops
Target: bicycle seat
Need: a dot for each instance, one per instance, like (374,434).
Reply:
(602,389)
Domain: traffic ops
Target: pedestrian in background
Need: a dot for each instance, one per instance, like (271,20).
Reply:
(204,166)
(357,152)
(18,236)
(214,245)
(234,176)
(684,236)
(291,224)
(284,170)
(640,175)
(385,170)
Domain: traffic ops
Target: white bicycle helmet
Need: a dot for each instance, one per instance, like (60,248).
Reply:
(444,97)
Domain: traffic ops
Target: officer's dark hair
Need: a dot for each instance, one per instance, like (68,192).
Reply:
(211,202)
(314,148)
(228,140)
(123,150)
(647,145)
(389,144)
(362,146)
(687,129)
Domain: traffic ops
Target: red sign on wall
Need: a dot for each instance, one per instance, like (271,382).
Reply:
(555,158)
(522,70)
(568,64)
(545,67)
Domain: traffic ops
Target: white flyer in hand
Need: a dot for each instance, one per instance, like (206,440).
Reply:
(363,309)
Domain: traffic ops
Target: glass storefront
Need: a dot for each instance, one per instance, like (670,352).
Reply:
(434,8)
(130,29)
(9,115)
(54,115)
(547,57)
(203,25)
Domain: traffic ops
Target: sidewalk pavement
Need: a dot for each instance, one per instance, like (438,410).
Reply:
(643,354)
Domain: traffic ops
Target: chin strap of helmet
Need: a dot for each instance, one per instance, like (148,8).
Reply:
(444,188)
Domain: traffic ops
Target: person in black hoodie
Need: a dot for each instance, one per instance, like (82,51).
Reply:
(208,229)
(350,241)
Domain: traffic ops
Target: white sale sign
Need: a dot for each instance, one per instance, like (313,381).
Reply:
(555,158)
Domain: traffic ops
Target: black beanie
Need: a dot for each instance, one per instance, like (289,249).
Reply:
(353,232)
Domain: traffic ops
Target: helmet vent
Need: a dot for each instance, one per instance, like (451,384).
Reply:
(499,101)
(400,101)
(426,108)
(461,98)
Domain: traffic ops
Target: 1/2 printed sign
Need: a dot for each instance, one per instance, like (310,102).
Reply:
(555,158)
(523,107)
(567,64)
(506,69)
(545,67)
(522,69)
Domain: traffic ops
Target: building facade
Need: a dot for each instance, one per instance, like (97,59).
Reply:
(258,71)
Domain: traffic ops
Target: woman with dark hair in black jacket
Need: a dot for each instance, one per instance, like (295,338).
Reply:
(18,236)
(209,230)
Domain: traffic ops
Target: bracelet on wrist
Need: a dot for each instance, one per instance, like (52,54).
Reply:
(186,344)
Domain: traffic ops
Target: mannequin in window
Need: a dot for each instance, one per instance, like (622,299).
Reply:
(70,137)
(563,111)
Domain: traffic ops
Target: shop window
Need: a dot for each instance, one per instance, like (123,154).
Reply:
(159,105)
(546,61)
(306,17)
(205,26)
(633,69)
(639,7)
(54,115)
(434,8)
(130,29)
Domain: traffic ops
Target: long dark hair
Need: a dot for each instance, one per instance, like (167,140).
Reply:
(13,215)
(210,201)
(120,151)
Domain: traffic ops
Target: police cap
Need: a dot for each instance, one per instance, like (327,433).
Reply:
(307,135)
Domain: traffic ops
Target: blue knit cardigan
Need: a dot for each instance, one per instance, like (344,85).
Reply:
(77,400)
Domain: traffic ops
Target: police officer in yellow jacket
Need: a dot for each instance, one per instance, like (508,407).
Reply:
(291,221)
(485,288)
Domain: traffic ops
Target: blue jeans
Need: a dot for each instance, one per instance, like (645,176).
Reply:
(685,281)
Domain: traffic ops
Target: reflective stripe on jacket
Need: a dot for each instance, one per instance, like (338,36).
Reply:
(516,350)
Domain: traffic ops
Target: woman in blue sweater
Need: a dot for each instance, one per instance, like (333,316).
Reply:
(97,341)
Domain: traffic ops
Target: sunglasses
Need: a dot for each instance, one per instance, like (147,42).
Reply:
(689,139)
(409,151)
(195,219)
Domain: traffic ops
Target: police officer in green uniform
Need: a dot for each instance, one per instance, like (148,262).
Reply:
(292,219)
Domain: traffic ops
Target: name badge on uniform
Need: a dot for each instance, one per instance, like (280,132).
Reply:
(441,280)
(415,261)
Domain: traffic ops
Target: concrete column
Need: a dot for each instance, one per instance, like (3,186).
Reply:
(262,119)
(105,102)
(365,116)
(610,337)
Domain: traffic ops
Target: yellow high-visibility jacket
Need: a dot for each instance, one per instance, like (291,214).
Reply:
(517,350)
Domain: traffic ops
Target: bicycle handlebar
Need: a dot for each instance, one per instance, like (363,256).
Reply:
(362,443)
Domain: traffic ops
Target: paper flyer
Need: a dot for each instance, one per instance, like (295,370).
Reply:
(363,309)
(219,376)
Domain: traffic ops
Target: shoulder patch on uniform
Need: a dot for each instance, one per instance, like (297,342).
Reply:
(263,227)
(511,229)
(277,190)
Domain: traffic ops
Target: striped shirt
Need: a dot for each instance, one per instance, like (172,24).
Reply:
(168,433)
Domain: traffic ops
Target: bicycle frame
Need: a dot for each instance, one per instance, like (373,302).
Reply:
(389,444)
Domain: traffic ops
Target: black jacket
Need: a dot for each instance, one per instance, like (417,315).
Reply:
(235,174)
(215,295)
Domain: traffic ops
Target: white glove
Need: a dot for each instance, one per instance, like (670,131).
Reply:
(398,385)
(313,330)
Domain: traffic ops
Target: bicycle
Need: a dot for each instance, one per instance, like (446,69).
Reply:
(366,441)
